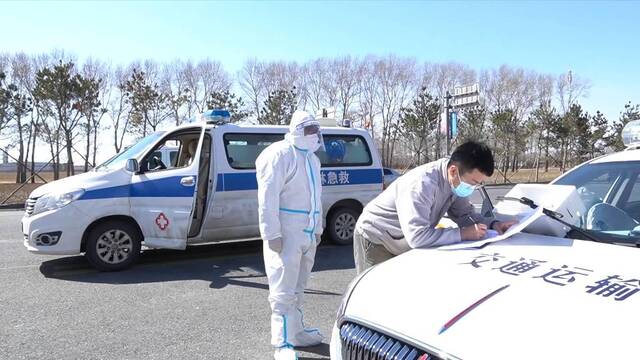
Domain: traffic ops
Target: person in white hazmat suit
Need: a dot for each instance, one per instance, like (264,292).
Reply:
(290,212)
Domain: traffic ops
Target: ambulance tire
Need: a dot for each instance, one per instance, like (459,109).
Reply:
(340,225)
(125,239)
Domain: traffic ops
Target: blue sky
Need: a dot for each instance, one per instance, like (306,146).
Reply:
(597,40)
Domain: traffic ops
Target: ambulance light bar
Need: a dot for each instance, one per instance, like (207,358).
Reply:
(216,117)
(631,134)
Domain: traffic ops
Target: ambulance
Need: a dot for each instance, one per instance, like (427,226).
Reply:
(567,286)
(193,184)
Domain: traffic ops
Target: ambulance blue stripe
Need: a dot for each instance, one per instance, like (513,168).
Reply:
(171,187)
(248,181)
(166,187)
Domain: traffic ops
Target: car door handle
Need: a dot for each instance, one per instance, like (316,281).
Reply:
(188,181)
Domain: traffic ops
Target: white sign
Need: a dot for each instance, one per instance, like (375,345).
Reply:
(466,90)
(466,100)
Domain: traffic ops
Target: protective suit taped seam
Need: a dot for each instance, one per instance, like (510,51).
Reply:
(294,211)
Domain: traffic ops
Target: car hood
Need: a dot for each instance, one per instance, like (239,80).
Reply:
(412,297)
(88,181)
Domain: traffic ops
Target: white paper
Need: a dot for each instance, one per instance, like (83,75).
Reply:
(526,219)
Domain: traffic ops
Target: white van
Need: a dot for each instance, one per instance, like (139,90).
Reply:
(191,185)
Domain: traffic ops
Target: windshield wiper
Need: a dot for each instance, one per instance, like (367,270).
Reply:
(555,216)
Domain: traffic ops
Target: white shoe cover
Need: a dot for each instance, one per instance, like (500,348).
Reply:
(285,353)
(307,337)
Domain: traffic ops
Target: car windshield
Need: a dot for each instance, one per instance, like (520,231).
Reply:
(131,152)
(611,194)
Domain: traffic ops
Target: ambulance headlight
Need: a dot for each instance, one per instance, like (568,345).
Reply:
(56,201)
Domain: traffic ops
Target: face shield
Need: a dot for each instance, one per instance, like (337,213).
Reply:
(305,133)
(312,130)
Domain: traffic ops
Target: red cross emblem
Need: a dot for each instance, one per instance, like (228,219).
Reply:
(162,221)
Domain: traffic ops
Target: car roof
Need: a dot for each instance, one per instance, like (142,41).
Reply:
(279,129)
(627,155)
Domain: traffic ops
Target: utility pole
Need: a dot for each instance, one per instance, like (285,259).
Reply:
(464,97)
(447,111)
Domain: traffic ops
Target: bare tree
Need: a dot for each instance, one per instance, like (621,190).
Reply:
(368,90)
(348,72)
(96,73)
(510,91)
(570,87)
(23,76)
(174,85)
(252,84)
(397,79)
(315,78)
(204,79)
(58,86)
(117,106)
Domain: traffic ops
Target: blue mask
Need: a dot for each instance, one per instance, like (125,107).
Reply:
(463,190)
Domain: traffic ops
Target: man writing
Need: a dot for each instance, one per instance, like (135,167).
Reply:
(405,215)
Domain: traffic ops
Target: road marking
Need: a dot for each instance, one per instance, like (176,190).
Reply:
(20,267)
(10,241)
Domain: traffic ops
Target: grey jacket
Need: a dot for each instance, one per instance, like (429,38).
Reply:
(404,216)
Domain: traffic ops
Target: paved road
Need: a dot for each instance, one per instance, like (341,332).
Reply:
(208,302)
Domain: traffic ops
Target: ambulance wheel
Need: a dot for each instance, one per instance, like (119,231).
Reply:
(341,224)
(113,245)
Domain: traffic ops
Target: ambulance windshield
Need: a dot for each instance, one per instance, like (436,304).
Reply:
(132,152)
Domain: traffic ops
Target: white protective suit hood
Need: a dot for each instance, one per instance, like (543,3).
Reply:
(299,120)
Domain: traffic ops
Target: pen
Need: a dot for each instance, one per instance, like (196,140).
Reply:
(475,225)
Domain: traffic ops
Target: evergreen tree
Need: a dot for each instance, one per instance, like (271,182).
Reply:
(419,123)
(229,101)
(149,106)
(630,113)
(278,107)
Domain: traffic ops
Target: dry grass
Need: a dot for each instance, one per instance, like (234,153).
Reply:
(18,198)
(525,176)
(8,185)
(10,177)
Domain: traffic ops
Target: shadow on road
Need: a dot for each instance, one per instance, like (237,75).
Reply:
(322,350)
(239,264)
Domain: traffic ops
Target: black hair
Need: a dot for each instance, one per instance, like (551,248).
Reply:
(473,155)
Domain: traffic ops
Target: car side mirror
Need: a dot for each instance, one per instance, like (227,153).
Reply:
(132,166)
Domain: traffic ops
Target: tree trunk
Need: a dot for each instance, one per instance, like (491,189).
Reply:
(538,164)
(33,153)
(115,138)
(546,156)
(95,144)
(88,153)
(56,169)
(21,171)
(144,127)
(55,158)
(564,156)
(70,167)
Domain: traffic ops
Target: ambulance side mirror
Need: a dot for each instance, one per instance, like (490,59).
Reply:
(132,166)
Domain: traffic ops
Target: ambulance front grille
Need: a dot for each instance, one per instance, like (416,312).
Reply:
(362,343)
(30,205)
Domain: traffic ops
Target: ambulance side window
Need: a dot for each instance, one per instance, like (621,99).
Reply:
(243,149)
(186,145)
(345,150)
